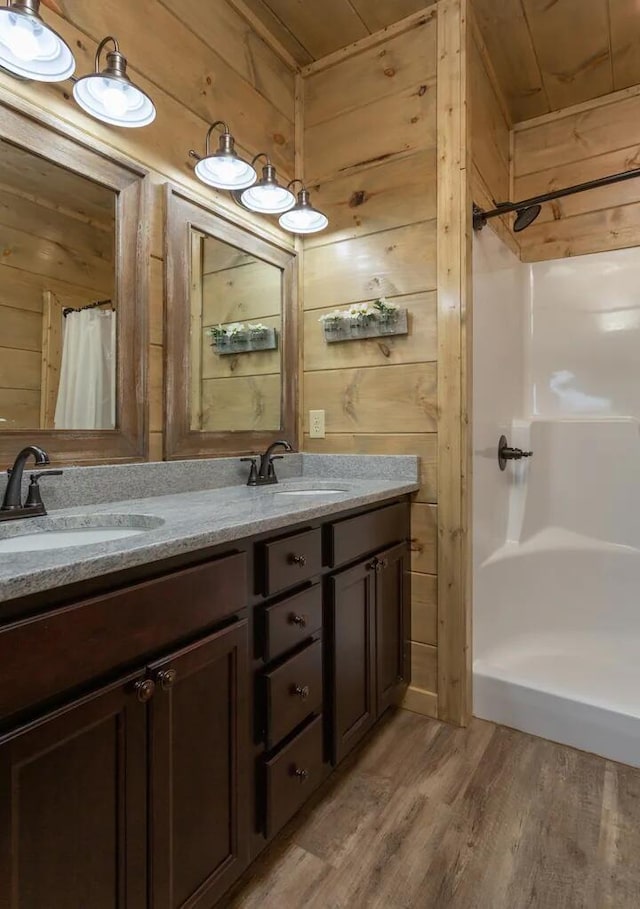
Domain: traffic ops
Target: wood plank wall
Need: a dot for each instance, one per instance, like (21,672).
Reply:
(574,145)
(370,159)
(490,137)
(200,62)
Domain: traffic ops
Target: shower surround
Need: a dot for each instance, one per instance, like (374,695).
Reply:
(557,539)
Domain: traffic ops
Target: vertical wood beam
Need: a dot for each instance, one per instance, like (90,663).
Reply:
(299,247)
(454,366)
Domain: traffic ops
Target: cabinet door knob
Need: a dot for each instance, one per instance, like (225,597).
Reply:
(372,565)
(145,689)
(300,620)
(300,560)
(302,691)
(166,678)
(381,565)
(302,775)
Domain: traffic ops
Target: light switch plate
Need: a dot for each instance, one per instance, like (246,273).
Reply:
(316,424)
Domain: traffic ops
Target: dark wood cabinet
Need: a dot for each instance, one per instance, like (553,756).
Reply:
(351,657)
(199,751)
(368,641)
(200,709)
(392,627)
(73,806)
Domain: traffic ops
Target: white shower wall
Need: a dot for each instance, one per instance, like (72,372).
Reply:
(584,335)
(557,538)
(500,311)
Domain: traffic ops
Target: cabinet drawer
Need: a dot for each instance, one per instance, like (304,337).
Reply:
(291,561)
(289,623)
(355,537)
(292,775)
(293,692)
(47,655)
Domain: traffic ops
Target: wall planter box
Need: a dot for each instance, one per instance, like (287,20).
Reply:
(350,330)
(246,343)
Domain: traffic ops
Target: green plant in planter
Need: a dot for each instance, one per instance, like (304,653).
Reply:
(218,335)
(385,312)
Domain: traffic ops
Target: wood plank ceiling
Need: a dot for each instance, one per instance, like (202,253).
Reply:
(311,29)
(546,54)
(551,54)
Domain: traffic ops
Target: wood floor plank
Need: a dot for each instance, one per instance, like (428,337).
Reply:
(428,816)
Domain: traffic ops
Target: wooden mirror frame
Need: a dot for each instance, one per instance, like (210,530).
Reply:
(69,148)
(184,213)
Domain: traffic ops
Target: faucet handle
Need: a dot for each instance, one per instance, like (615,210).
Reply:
(253,472)
(34,499)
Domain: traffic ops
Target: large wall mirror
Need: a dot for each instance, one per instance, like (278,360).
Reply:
(72,302)
(231,335)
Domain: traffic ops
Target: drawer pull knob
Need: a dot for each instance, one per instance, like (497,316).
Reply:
(166,679)
(381,565)
(297,560)
(302,775)
(300,620)
(145,689)
(302,691)
(372,565)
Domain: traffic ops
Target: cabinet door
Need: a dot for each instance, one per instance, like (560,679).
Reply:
(199,770)
(73,806)
(351,657)
(392,626)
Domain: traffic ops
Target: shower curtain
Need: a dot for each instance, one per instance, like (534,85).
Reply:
(87,391)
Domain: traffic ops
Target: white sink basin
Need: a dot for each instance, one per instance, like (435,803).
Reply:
(311,492)
(72,531)
(65,539)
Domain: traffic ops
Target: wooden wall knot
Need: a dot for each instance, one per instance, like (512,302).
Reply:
(422,91)
(390,72)
(359,197)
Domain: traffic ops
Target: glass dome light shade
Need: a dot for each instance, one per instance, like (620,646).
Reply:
(225,169)
(225,172)
(111,96)
(267,196)
(30,49)
(303,218)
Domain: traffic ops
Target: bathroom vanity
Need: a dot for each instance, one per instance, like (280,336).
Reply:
(162,722)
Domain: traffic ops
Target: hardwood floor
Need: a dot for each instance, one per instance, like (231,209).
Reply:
(428,816)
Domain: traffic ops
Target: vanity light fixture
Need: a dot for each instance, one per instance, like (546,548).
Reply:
(267,196)
(30,49)
(224,169)
(110,95)
(303,218)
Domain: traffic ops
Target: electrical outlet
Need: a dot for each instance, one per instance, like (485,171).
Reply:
(316,424)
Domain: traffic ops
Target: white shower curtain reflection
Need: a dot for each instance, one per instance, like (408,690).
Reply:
(87,392)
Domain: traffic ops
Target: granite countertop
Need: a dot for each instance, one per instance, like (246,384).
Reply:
(180,523)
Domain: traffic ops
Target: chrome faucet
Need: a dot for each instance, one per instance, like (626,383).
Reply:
(265,474)
(12,506)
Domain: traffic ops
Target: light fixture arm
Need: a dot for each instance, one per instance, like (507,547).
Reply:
(108,40)
(207,143)
(261,155)
(291,182)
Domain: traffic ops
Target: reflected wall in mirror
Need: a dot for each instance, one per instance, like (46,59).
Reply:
(231,369)
(73,234)
(57,349)
(236,326)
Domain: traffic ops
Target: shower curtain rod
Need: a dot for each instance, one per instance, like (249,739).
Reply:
(69,309)
(480,217)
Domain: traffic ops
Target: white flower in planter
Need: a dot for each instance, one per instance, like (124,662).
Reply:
(237,331)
